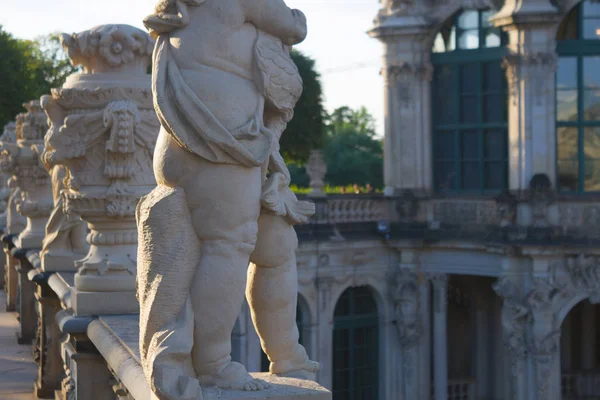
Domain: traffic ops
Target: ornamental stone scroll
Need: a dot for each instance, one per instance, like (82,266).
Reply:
(104,130)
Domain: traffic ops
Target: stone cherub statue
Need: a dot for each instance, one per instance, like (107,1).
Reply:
(224,89)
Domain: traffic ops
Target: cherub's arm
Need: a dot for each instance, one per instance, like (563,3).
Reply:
(277,19)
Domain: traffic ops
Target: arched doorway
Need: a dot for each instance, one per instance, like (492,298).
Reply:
(579,353)
(356,346)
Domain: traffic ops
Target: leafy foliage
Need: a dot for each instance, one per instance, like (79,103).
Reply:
(28,70)
(352,152)
(306,130)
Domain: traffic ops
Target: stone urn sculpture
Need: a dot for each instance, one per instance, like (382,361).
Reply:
(8,135)
(105,130)
(15,222)
(29,175)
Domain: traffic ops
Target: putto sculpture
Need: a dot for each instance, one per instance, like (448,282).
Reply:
(224,89)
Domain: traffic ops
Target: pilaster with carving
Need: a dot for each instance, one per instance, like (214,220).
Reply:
(530,68)
(516,318)
(405,292)
(404,30)
(105,134)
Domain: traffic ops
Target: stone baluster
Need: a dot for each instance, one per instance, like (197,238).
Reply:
(106,130)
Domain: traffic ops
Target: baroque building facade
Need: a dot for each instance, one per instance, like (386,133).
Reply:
(476,275)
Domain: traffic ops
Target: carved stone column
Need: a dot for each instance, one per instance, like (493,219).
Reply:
(530,67)
(316,168)
(440,331)
(406,296)
(29,174)
(104,133)
(515,319)
(403,30)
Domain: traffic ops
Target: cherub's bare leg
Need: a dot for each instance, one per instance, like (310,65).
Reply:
(272,293)
(225,205)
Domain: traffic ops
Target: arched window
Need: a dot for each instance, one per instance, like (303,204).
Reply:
(356,346)
(578,100)
(469,107)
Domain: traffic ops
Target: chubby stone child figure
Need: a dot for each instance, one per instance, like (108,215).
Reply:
(224,88)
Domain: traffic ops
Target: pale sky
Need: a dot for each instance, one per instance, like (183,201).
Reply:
(348,60)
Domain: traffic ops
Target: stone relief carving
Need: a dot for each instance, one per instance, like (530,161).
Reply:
(404,77)
(537,67)
(22,161)
(516,318)
(103,134)
(404,289)
(220,126)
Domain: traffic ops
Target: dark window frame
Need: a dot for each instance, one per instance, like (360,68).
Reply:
(456,60)
(579,49)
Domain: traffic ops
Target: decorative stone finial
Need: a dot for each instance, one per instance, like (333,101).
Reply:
(109,50)
(316,168)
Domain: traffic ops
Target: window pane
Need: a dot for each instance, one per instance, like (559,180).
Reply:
(566,141)
(591,104)
(566,77)
(591,143)
(591,28)
(445,176)
(485,17)
(469,109)
(469,39)
(438,44)
(470,175)
(566,105)
(591,72)
(568,176)
(591,181)
(495,173)
(495,144)
(493,108)
(591,9)
(493,38)
(468,78)
(494,77)
(468,20)
(469,145)
(444,146)
(445,88)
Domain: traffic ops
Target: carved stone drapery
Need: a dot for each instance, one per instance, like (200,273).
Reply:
(22,160)
(106,130)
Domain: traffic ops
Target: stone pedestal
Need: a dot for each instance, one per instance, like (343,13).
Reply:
(47,343)
(103,131)
(316,167)
(28,317)
(11,281)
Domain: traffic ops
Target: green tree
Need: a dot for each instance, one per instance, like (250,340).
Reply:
(306,130)
(28,70)
(352,152)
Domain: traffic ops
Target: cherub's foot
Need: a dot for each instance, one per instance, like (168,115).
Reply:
(307,370)
(234,377)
